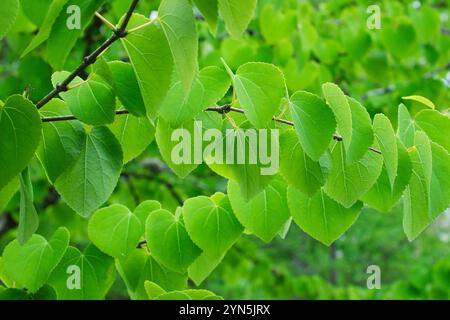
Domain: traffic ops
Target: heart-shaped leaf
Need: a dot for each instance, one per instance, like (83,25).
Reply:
(84,275)
(115,230)
(30,265)
(169,242)
(89,181)
(211,223)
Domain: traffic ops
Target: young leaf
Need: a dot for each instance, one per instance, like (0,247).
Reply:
(259,89)
(339,104)
(115,230)
(362,133)
(28,220)
(209,87)
(347,182)
(139,267)
(62,38)
(84,275)
(297,168)
(321,217)
(169,242)
(422,100)
(46,27)
(134,135)
(405,126)
(127,87)
(382,196)
(20,133)
(153,290)
(92,102)
(91,178)
(152,61)
(314,122)
(61,141)
(211,224)
(237,14)
(388,144)
(436,126)
(178,22)
(8,12)
(30,265)
(144,209)
(266,214)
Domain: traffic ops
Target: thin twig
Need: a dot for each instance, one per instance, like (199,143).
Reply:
(72,117)
(90,59)
(106,21)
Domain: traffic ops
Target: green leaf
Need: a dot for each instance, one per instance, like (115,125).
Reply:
(209,10)
(61,140)
(8,12)
(428,193)
(44,31)
(405,126)
(134,135)
(383,196)
(171,145)
(347,182)
(422,100)
(252,176)
(84,275)
(266,214)
(209,87)
(139,267)
(30,265)
(203,266)
(237,15)
(259,89)
(8,192)
(211,224)
(28,220)
(152,61)
(320,216)
(339,104)
(169,242)
(314,122)
(62,38)
(20,133)
(92,102)
(153,290)
(115,230)
(45,293)
(178,22)
(436,126)
(297,168)
(89,181)
(127,87)
(144,209)
(362,133)
(35,10)
(388,144)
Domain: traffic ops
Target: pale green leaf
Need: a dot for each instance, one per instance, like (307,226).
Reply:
(320,216)
(436,125)
(178,22)
(266,214)
(92,270)
(209,10)
(405,126)
(362,133)
(28,219)
(425,101)
(314,122)
(30,265)
(237,14)
(152,61)
(89,181)
(115,230)
(211,224)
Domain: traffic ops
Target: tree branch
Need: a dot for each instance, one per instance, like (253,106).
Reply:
(90,59)
(72,117)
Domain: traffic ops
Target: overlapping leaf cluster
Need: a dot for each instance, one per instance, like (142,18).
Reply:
(334,157)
